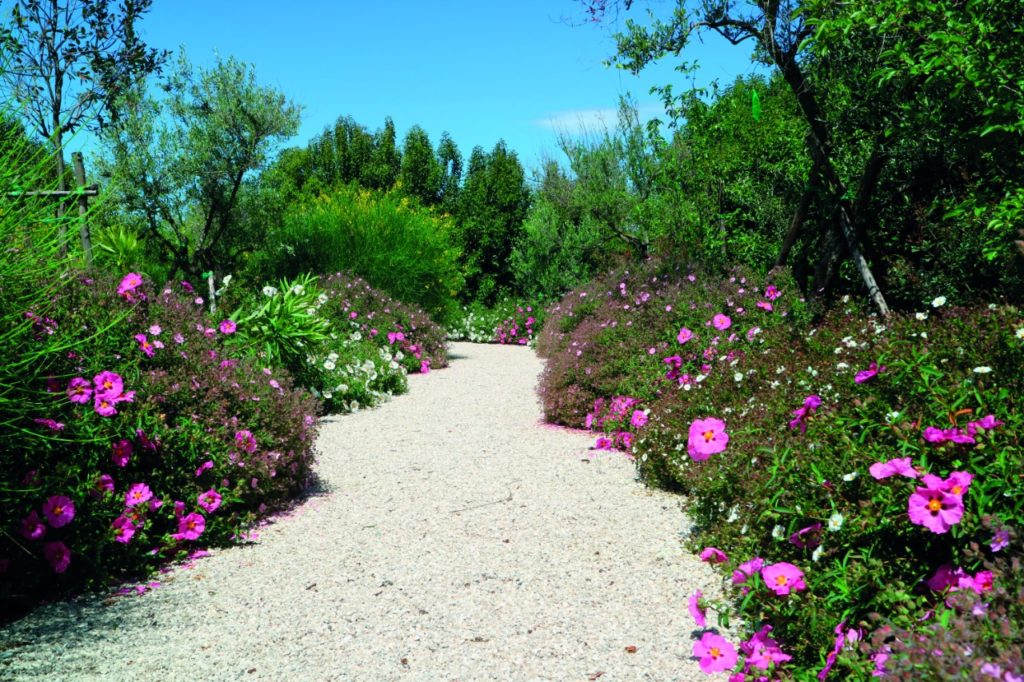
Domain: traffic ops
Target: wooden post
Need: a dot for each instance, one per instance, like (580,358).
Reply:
(83,207)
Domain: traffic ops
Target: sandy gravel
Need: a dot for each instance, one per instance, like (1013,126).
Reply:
(457,538)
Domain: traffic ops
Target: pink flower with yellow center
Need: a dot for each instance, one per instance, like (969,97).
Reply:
(934,508)
(783,578)
(108,384)
(713,555)
(698,612)
(137,494)
(57,555)
(721,322)
(144,345)
(707,437)
(123,529)
(79,391)
(190,527)
(130,282)
(210,500)
(716,654)
(59,510)
(684,335)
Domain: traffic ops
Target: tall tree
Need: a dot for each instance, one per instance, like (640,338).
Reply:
(70,60)
(450,160)
(421,172)
(385,162)
(183,165)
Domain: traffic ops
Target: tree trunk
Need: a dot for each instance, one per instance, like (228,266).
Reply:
(83,207)
(798,217)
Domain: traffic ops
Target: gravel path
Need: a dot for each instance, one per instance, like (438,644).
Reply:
(457,538)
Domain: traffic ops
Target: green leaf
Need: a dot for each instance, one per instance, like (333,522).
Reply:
(755,105)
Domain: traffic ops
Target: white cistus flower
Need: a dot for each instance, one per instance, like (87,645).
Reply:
(835,522)
(269,291)
(938,301)
(778,532)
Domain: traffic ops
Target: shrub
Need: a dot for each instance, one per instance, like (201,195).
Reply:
(397,247)
(152,436)
(508,322)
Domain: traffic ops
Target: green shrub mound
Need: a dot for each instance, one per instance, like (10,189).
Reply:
(872,466)
(151,434)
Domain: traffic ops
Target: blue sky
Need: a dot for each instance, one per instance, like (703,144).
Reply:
(480,69)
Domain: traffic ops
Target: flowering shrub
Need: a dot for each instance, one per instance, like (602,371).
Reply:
(865,503)
(508,322)
(157,435)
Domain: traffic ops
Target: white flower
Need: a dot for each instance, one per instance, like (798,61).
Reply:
(356,336)
(1020,333)
(269,291)
(311,311)
(921,316)
(842,365)
(846,298)
(298,290)
(737,377)
(938,301)
(835,522)
(778,531)
(850,476)
(321,299)
(328,395)
(816,554)
(329,365)
(733,515)
(982,370)
(892,416)
(700,378)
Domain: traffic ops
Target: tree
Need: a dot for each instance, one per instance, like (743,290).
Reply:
(421,172)
(385,162)
(182,165)
(492,207)
(450,160)
(70,60)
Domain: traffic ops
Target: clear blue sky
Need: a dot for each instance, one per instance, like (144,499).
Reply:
(480,69)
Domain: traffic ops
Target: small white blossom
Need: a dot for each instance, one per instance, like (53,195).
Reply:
(778,532)
(938,301)
(269,291)
(835,522)
(892,416)
(921,316)
(842,365)
(816,554)
(298,290)
(850,476)
(1020,333)
(329,365)
(982,370)
(737,377)
(733,515)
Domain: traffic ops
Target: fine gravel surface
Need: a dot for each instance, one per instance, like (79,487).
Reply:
(455,538)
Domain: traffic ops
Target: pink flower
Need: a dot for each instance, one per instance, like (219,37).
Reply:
(713,555)
(155,330)
(684,335)
(638,419)
(130,282)
(104,406)
(105,483)
(624,439)
(122,451)
(588,423)
(869,373)
(707,437)
(934,509)
(1000,541)
(190,527)
(137,494)
(801,414)
(783,578)
(58,556)
(696,610)
(957,483)
(603,443)
(187,287)
(721,322)
(178,338)
(51,424)
(747,570)
(771,292)
(763,651)
(228,327)
(812,539)
(986,423)
(245,441)
(765,305)
(59,510)
(144,345)
(79,391)
(900,465)
(425,367)
(32,527)
(108,384)
(716,654)
(123,528)
(830,660)
(210,500)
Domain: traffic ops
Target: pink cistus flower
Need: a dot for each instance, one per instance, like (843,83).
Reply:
(1000,541)
(638,419)
(783,578)
(108,384)
(51,424)
(227,327)
(762,651)
(771,292)
(425,367)
(934,508)
(765,305)
(870,373)
(203,467)
(986,423)
(245,441)
(716,654)
(952,435)
(190,527)
(59,511)
(721,322)
(603,443)
(807,537)
(684,335)
(707,437)
(123,529)
(80,391)
(747,570)
(899,466)
(624,440)
(121,452)
(210,500)
(698,612)
(713,555)
(801,414)
(32,527)
(105,483)
(137,494)
(57,555)
(129,283)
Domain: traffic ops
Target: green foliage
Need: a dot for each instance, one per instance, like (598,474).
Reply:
(397,247)
(492,205)
(182,168)
(421,172)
